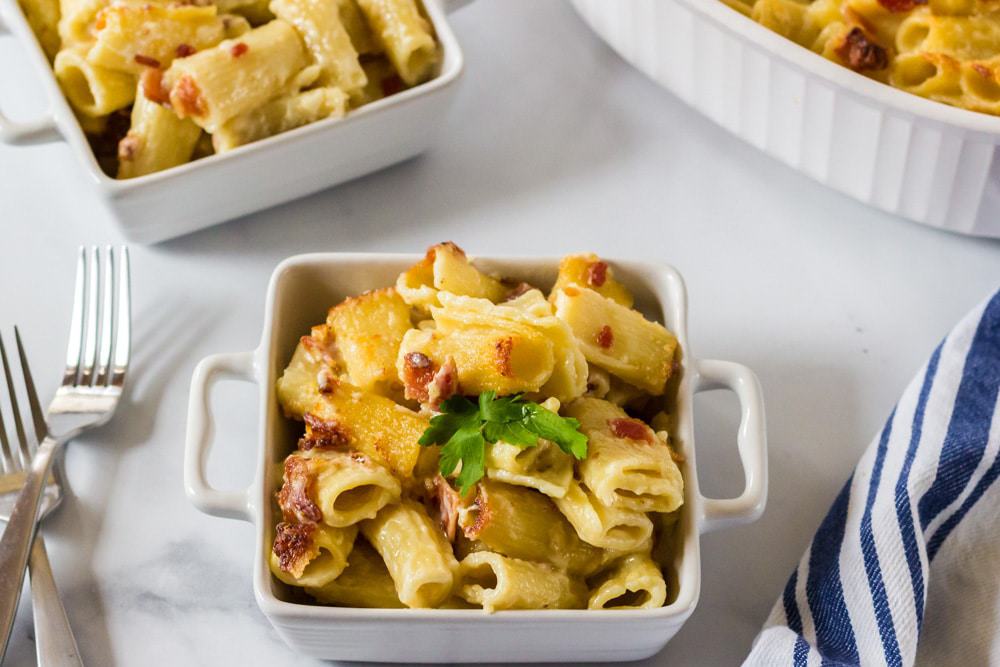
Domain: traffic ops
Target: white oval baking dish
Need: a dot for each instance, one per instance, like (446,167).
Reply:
(300,291)
(205,192)
(906,155)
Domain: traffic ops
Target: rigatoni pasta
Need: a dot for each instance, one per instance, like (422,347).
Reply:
(457,421)
(240,70)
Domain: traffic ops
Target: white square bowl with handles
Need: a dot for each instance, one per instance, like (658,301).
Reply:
(259,175)
(300,291)
(913,157)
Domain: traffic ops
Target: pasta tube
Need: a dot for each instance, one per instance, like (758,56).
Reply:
(236,75)
(602,525)
(314,363)
(310,554)
(157,139)
(92,90)
(544,467)
(338,488)
(369,329)
(405,35)
(320,25)
(415,551)
(627,465)
(498,582)
(633,582)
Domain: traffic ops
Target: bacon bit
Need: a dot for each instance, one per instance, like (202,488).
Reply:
(631,429)
(293,498)
(186,98)
(445,501)
(597,274)
(392,85)
(571,291)
(292,544)
(605,337)
(501,358)
(324,434)
(860,53)
(481,507)
(418,371)
(326,382)
(901,5)
(152,86)
(129,146)
(184,50)
(443,385)
(146,60)
(239,48)
(518,290)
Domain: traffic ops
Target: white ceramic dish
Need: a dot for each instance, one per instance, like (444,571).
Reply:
(199,194)
(919,159)
(300,291)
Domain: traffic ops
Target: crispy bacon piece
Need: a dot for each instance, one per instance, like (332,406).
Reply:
(186,98)
(597,274)
(418,371)
(294,496)
(501,356)
(152,85)
(480,510)
(605,337)
(861,53)
(445,501)
(239,48)
(323,433)
(631,429)
(184,50)
(293,545)
(443,385)
(146,60)
(517,290)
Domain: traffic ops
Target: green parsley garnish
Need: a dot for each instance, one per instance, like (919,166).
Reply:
(464,428)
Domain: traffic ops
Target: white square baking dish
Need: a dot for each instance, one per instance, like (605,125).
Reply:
(919,159)
(265,173)
(300,291)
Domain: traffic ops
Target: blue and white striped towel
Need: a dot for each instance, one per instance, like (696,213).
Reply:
(911,546)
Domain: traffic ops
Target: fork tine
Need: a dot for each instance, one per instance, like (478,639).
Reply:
(75,345)
(37,415)
(107,311)
(10,463)
(123,332)
(91,318)
(15,410)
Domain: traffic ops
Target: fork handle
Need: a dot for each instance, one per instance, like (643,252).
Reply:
(54,639)
(16,543)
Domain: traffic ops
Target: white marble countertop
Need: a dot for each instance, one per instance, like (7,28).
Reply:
(555,145)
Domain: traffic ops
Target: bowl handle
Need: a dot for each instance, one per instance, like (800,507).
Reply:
(751,440)
(15,132)
(201,435)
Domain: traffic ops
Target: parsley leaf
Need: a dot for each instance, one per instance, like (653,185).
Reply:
(465,427)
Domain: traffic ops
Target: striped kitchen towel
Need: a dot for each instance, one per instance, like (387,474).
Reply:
(905,568)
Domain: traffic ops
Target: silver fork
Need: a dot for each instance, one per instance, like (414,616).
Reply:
(96,363)
(53,635)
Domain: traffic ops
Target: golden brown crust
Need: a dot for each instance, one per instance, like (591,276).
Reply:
(861,53)
(501,358)
(295,496)
(294,545)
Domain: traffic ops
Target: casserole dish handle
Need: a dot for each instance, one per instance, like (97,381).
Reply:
(751,440)
(15,132)
(201,435)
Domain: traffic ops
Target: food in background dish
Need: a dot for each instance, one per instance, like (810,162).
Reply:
(157,84)
(471,442)
(945,50)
